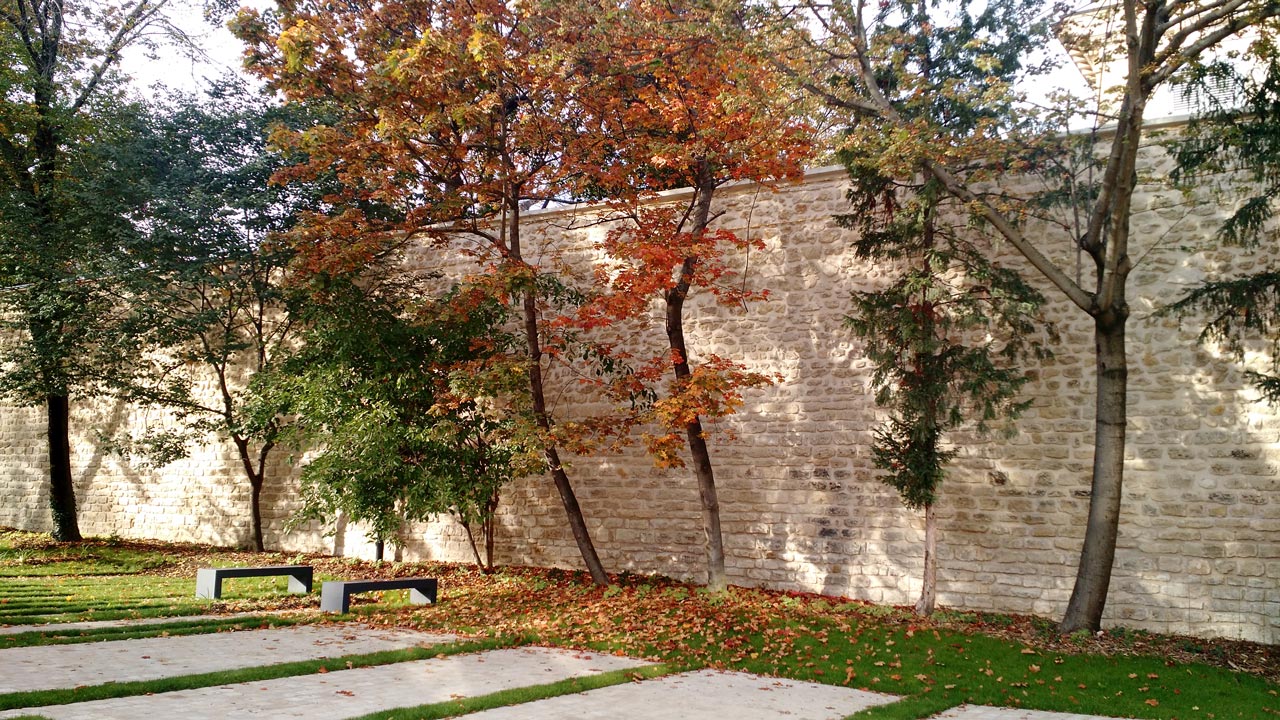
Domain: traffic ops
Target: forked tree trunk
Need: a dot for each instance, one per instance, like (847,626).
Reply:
(929,584)
(471,540)
(485,563)
(62,492)
(1089,598)
(257,476)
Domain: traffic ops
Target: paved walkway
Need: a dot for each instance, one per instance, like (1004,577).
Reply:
(704,695)
(49,667)
(351,693)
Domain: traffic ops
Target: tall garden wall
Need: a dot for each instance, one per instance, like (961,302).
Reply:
(1199,548)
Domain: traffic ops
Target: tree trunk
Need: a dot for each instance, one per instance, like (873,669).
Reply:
(572,510)
(1093,576)
(471,540)
(929,586)
(702,470)
(255,507)
(491,509)
(488,544)
(538,398)
(713,538)
(62,491)
(256,477)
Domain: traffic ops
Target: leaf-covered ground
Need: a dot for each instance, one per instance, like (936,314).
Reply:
(956,657)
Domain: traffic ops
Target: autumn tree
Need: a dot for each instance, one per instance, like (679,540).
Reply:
(692,102)
(64,214)
(456,117)
(889,59)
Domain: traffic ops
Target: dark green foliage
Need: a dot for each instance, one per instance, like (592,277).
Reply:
(66,214)
(208,285)
(398,393)
(205,286)
(1233,148)
(59,249)
(1233,145)
(946,338)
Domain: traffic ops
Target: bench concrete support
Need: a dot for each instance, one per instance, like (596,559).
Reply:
(335,595)
(209,580)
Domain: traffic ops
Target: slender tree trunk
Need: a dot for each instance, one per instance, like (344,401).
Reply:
(256,476)
(488,544)
(572,510)
(704,474)
(702,470)
(538,398)
(1093,576)
(62,492)
(929,586)
(717,579)
(471,540)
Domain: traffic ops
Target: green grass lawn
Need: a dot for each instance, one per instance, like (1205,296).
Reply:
(936,664)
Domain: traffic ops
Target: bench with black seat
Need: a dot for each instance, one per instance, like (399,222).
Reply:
(335,595)
(209,580)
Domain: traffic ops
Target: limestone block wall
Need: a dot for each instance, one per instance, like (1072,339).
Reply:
(1199,549)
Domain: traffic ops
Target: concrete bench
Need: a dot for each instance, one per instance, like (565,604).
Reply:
(209,580)
(335,595)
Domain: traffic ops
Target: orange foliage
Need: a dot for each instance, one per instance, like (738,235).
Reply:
(445,119)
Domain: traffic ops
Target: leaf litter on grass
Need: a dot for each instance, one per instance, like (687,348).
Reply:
(1018,661)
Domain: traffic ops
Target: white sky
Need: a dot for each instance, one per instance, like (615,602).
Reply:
(171,69)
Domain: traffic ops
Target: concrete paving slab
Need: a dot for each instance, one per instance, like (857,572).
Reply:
(52,667)
(983,712)
(351,693)
(703,695)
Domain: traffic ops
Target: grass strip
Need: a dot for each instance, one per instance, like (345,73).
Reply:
(914,707)
(518,696)
(66,696)
(138,612)
(72,636)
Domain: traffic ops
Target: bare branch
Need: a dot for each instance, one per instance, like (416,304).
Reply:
(137,21)
(1174,56)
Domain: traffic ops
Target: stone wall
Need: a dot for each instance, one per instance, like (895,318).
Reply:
(1199,549)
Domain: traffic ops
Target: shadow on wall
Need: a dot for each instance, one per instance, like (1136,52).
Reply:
(200,498)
